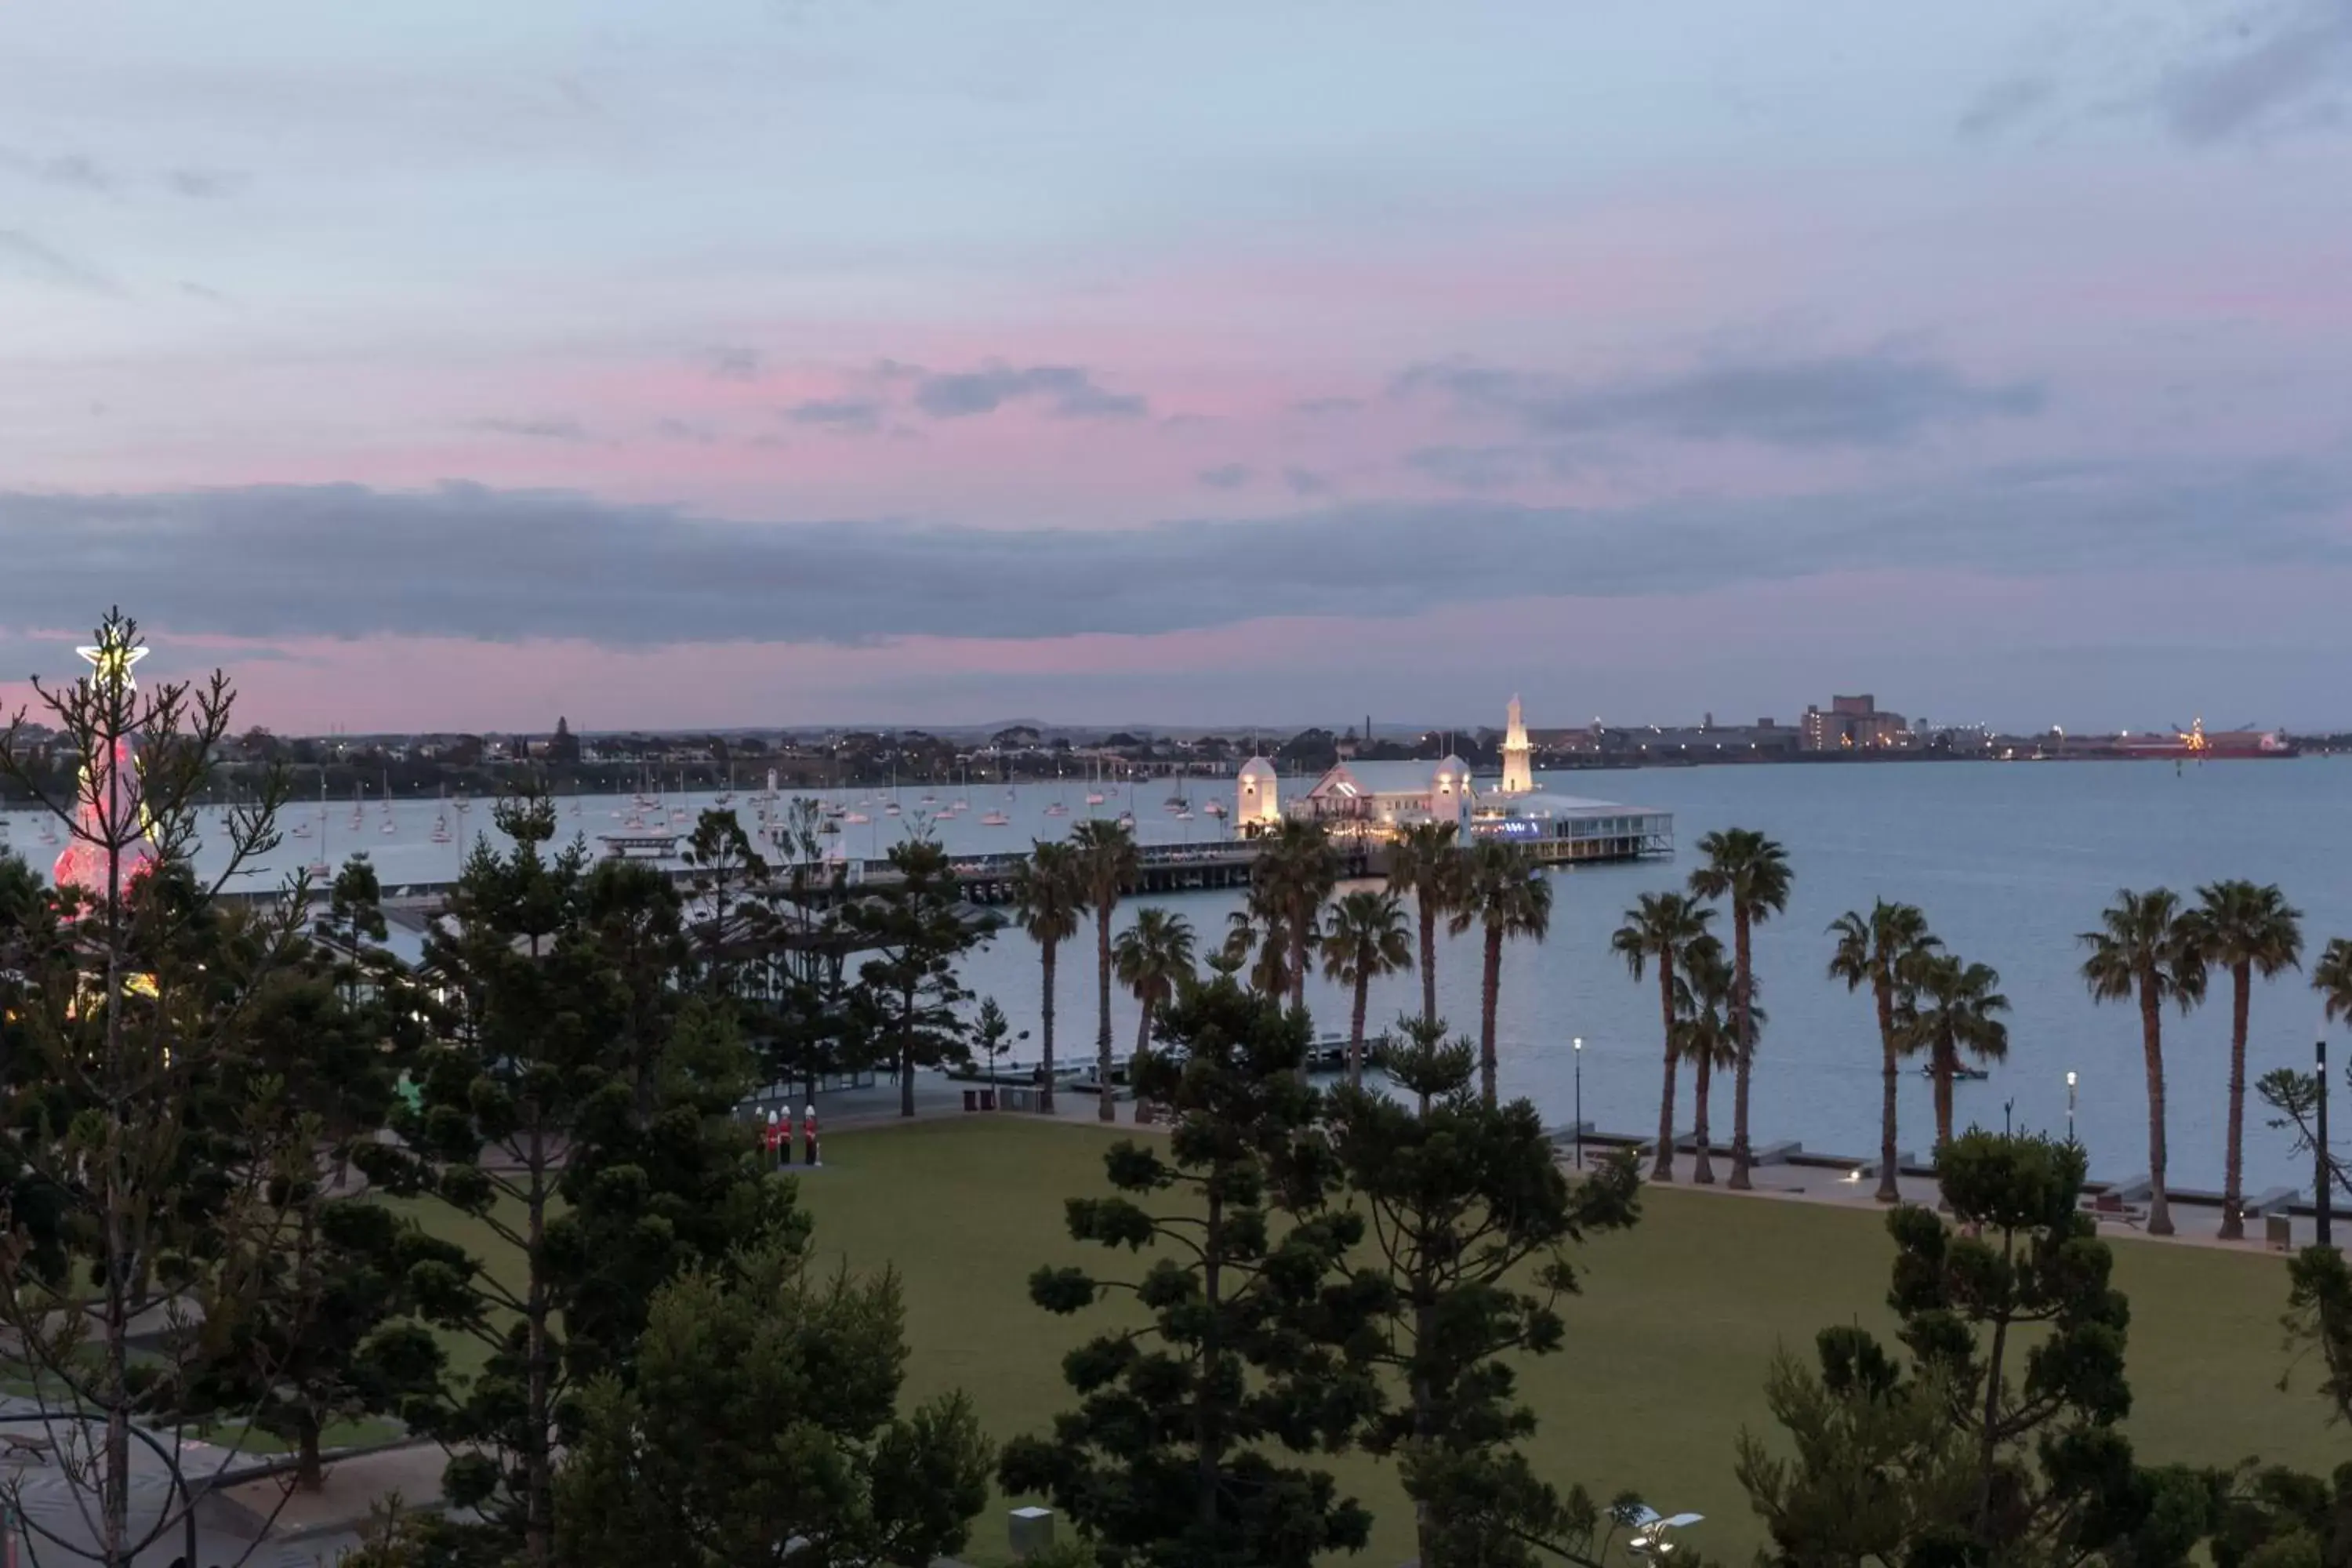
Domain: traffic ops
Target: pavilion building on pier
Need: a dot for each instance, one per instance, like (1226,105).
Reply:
(1377,801)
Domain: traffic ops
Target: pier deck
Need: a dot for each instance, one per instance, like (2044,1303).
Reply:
(987,879)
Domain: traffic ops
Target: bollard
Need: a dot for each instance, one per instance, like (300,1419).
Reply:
(776,1138)
(1030,1531)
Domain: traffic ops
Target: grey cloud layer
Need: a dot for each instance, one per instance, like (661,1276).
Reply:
(464,560)
(2286,63)
(1067,389)
(30,256)
(1871,400)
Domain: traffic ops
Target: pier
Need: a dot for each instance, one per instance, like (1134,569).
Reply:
(1162,869)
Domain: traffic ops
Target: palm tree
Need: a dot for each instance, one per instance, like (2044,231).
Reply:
(1292,880)
(1364,940)
(1871,950)
(1705,1033)
(1046,901)
(1427,862)
(1508,894)
(1952,1010)
(1751,872)
(1660,928)
(1255,941)
(1153,958)
(2332,978)
(1106,863)
(2247,930)
(2146,948)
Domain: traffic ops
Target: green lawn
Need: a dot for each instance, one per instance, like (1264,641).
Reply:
(1666,1350)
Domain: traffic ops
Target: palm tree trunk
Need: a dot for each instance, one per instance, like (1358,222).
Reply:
(1299,964)
(1662,1169)
(1355,1029)
(1701,1167)
(1045,1085)
(2151,1031)
(1106,1111)
(1740,1153)
(1491,983)
(1428,964)
(1945,1062)
(1142,1031)
(1889,1191)
(2233,1163)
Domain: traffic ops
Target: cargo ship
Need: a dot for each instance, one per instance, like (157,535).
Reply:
(2196,743)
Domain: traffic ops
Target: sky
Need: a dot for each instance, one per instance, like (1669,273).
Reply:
(1248,362)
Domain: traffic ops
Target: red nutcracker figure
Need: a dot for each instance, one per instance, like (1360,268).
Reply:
(774,1137)
(808,1123)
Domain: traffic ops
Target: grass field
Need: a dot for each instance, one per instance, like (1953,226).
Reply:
(1666,1350)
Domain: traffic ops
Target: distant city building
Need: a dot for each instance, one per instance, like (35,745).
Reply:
(1852,723)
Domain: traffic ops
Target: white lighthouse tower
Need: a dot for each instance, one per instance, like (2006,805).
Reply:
(1518,778)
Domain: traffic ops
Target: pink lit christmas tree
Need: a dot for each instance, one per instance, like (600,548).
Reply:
(110,820)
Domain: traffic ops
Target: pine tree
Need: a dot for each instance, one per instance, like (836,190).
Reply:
(1470,1214)
(579,1111)
(2016,1340)
(907,994)
(144,1173)
(1172,1456)
(762,1428)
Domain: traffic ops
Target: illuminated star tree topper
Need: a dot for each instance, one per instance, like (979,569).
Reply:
(116,652)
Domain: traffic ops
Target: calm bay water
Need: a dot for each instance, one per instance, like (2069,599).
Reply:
(2009,862)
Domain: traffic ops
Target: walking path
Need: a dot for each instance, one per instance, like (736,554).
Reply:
(2195,1225)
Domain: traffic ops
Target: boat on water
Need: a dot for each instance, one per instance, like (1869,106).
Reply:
(994,819)
(1967,1074)
(1057,809)
(2197,744)
(1215,808)
(856,817)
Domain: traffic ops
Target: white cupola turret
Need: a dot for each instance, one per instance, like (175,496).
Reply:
(1518,774)
(1256,795)
(1450,791)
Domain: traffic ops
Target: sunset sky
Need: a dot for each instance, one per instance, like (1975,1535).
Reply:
(452,365)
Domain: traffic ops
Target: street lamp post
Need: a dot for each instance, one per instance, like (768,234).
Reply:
(2319,1151)
(1579,1044)
(2069,1105)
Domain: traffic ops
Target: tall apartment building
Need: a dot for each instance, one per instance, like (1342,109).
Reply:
(1851,724)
